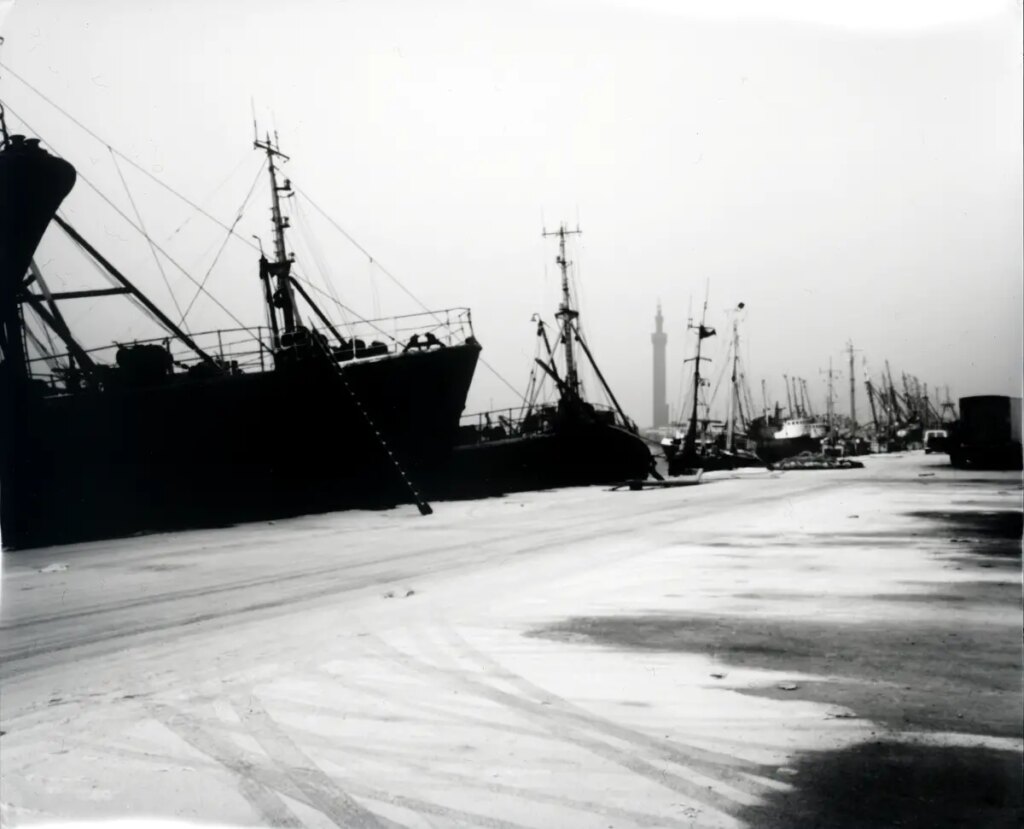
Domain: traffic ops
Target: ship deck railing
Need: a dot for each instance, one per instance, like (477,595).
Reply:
(250,350)
(520,421)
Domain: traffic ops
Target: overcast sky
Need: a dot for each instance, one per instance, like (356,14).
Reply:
(849,171)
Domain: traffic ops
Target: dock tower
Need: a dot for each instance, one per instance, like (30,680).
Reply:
(658,340)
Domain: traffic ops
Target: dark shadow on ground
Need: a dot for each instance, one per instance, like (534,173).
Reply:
(911,786)
(960,593)
(987,539)
(983,532)
(910,676)
(919,592)
(960,675)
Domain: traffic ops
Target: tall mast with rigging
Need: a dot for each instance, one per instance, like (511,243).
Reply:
(276,275)
(734,393)
(689,444)
(731,403)
(830,403)
(853,391)
(566,313)
(872,393)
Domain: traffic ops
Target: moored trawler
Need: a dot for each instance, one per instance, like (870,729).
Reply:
(196,430)
(564,444)
(798,434)
(698,448)
(571,442)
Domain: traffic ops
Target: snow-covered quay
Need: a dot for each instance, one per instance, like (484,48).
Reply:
(833,648)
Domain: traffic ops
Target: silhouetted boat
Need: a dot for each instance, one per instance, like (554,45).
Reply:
(697,449)
(204,429)
(571,442)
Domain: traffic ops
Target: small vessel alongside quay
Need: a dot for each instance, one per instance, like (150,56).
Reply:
(696,448)
(568,442)
(797,435)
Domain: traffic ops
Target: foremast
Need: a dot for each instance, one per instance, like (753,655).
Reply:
(734,392)
(276,275)
(571,402)
(566,314)
(703,331)
(735,404)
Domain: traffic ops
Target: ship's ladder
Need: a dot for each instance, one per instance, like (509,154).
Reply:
(418,499)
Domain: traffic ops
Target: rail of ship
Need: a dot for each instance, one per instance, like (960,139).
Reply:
(243,350)
(523,420)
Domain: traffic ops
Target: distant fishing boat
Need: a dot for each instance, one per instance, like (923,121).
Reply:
(697,448)
(198,429)
(778,438)
(568,442)
(797,435)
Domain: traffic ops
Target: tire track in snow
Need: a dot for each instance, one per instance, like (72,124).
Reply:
(726,767)
(441,715)
(422,765)
(571,732)
(323,793)
(257,778)
(271,809)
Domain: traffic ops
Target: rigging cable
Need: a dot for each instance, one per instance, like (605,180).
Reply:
(320,262)
(46,354)
(145,233)
(227,238)
(305,231)
(394,279)
(131,161)
(111,281)
(211,194)
(363,250)
(344,307)
(137,229)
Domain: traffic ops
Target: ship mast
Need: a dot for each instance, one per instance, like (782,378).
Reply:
(805,396)
(689,443)
(734,393)
(872,393)
(830,404)
(853,392)
(277,274)
(566,313)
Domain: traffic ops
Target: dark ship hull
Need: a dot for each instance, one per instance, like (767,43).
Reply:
(708,455)
(205,452)
(150,448)
(714,460)
(576,455)
(778,449)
